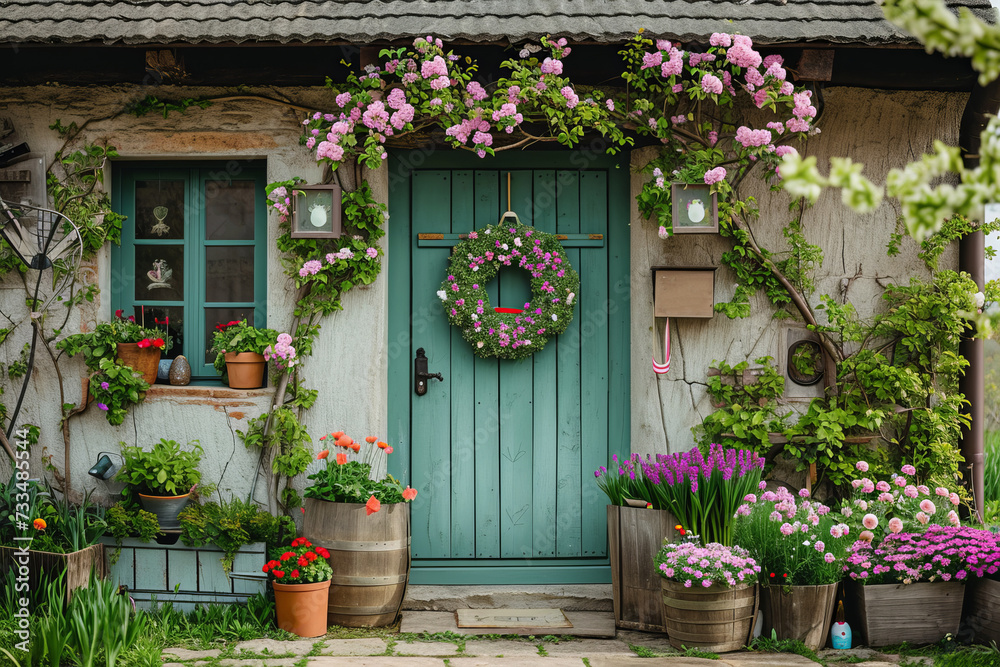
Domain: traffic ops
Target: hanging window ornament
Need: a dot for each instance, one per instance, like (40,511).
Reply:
(509,333)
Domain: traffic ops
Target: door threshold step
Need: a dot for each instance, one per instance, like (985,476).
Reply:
(585,624)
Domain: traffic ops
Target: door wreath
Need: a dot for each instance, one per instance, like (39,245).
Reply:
(509,333)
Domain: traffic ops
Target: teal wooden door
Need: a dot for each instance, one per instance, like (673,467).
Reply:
(503,452)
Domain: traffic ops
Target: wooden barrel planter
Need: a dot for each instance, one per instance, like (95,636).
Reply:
(982,610)
(799,612)
(635,535)
(712,619)
(921,613)
(370,557)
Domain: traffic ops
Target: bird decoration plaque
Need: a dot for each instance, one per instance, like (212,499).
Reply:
(695,209)
(316,212)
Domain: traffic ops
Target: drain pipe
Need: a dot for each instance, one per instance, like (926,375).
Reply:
(983,103)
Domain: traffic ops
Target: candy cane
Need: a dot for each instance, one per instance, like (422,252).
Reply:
(658,368)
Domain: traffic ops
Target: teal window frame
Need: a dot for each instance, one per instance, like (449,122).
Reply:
(196,177)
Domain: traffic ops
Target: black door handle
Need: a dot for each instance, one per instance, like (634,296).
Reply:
(420,374)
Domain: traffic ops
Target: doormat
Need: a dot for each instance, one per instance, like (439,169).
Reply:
(512,618)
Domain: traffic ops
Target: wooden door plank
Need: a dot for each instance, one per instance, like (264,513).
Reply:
(487,446)
(619,337)
(568,529)
(593,316)
(431,420)
(515,408)
(462,389)
(397,268)
(544,401)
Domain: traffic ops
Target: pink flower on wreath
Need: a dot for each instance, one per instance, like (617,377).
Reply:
(895,525)
(909,470)
(715,175)
(927,506)
(869,521)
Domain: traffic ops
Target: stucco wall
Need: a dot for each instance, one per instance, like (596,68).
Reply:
(348,367)
(880,129)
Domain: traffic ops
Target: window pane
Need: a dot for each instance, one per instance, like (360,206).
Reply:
(159,209)
(229,211)
(229,273)
(164,318)
(159,273)
(214,316)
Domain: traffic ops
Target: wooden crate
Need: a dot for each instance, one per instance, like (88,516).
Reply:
(635,535)
(920,613)
(77,564)
(982,610)
(186,575)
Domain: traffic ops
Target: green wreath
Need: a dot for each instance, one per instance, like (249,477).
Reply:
(519,333)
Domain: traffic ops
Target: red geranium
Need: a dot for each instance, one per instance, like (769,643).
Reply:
(308,568)
(159,342)
(144,343)
(322,552)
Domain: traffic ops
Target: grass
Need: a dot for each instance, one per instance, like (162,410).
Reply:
(991,499)
(774,645)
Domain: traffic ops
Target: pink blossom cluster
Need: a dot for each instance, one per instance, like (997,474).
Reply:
(941,553)
(748,137)
(692,564)
(715,175)
(281,201)
(901,504)
(742,53)
(282,352)
(711,84)
(570,95)
(343,253)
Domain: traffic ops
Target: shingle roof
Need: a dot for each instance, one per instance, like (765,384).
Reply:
(363,21)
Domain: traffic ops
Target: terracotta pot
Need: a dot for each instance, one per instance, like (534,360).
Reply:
(245,369)
(145,360)
(166,508)
(799,612)
(301,608)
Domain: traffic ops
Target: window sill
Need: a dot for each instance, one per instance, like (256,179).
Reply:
(216,395)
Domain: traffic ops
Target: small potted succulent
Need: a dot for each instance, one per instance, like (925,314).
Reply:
(240,351)
(300,576)
(163,477)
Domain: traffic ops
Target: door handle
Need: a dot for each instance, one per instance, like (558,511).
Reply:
(420,374)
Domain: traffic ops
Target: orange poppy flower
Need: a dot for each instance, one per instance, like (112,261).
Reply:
(323,454)
(39,524)
(337,435)
(409,493)
(322,437)
(356,447)
(344,441)
(370,439)
(341,458)
(383,445)
(373,505)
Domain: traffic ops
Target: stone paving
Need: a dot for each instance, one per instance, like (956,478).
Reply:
(376,652)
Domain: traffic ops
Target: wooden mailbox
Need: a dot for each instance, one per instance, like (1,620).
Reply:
(683,291)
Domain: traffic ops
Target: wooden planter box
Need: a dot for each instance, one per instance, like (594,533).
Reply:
(186,575)
(982,610)
(920,613)
(804,613)
(635,536)
(77,564)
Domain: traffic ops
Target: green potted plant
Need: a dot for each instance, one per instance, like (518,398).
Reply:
(163,477)
(353,512)
(63,537)
(135,344)
(800,547)
(301,577)
(239,350)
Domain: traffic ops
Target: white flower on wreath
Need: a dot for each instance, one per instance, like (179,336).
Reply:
(474,317)
(480,343)
(569,299)
(488,230)
(517,241)
(475,268)
(442,295)
(554,317)
(504,246)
